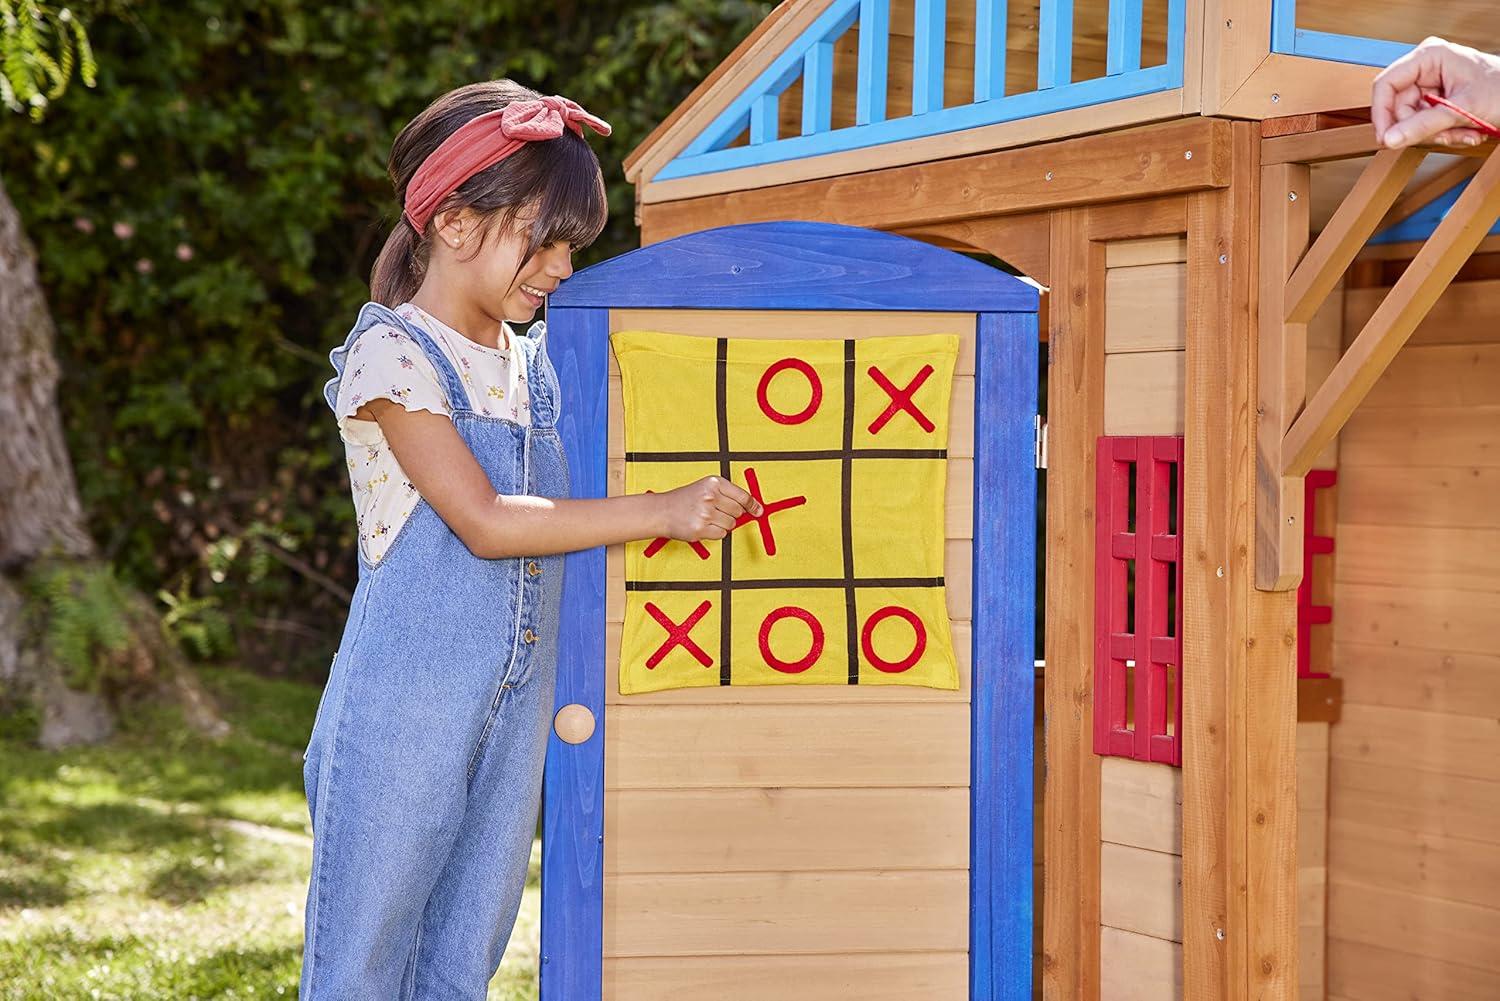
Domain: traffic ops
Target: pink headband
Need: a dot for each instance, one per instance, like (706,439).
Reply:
(486,140)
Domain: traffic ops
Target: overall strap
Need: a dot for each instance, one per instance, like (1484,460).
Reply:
(453,384)
(541,377)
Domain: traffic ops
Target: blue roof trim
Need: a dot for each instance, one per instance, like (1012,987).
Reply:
(1420,225)
(757,106)
(796,265)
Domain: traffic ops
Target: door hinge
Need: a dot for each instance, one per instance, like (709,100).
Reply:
(1041,443)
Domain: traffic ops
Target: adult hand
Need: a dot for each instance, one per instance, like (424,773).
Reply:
(705,509)
(1467,77)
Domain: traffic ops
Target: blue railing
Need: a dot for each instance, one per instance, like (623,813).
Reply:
(1287,38)
(810,59)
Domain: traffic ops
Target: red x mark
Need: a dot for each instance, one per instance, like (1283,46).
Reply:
(658,544)
(678,635)
(900,399)
(752,483)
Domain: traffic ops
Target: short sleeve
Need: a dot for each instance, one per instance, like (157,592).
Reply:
(385,363)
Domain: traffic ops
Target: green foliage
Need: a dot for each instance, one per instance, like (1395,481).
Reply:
(87,621)
(196,624)
(206,219)
(40,45)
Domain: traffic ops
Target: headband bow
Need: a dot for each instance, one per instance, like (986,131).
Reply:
(485,140)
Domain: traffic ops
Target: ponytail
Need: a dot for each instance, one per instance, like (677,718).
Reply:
(398,270)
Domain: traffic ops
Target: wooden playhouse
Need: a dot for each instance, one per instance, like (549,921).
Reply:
(1266,696)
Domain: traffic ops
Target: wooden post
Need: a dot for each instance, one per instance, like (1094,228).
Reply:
(1075,413)
(1285,194)
(1239,685)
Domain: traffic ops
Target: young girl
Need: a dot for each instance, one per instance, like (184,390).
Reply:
(423,770)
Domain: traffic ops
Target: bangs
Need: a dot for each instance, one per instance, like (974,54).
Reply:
(572,207)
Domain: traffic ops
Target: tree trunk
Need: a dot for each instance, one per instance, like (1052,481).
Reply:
(42,523)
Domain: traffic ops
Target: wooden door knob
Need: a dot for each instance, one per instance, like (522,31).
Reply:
(574,723)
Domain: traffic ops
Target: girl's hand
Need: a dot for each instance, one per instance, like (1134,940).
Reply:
(706,509)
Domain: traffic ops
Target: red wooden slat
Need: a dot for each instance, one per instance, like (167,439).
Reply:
(1308,614)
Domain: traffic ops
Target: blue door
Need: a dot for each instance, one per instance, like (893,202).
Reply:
(802,266)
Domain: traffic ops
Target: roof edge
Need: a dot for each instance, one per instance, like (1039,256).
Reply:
(755,43)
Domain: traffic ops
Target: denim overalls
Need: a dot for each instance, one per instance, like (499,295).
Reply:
(423,771)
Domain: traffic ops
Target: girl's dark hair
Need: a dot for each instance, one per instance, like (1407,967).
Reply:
(560,177)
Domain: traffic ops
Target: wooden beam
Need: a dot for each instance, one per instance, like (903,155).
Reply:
(1425,192)
(1004,135)
(1285,197)
(1355,219)
(1345,142)
(1075,412)
(1186,155)
(1298,85)
(1408,302)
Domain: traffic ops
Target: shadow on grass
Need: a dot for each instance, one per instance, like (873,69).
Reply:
(71,967)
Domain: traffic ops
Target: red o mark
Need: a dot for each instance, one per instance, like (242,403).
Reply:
(813,381)
(813,653)
(867,637)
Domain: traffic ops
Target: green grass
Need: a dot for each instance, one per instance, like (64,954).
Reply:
(166,865)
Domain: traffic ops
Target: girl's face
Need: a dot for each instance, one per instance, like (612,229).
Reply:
(495,278)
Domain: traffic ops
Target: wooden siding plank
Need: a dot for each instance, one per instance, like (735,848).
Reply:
(1438,681)
(1455,496)
(1360,972)
(1445,930)
(1428,437)
(829,746)
(1425,865)
(787,830)
(1402,798)
(1150,250)
(1140,804)
(1426,618)
(1146,305)
(1454,319)
(1138,967)
(1140,891)
(897,976)
(753,914)
(1447,376)
(1463,746)
(1464,559)
(1143,393)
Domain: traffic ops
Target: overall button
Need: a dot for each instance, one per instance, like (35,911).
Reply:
(532,569)
(529,636)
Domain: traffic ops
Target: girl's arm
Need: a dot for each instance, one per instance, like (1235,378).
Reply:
(439,464)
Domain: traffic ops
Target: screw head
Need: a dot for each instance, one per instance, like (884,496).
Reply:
(1275,98)
(1291,196)
(1187,155)
(1220,573)
(1229,23)
(1223,258)
(1049,175)
(1219,934)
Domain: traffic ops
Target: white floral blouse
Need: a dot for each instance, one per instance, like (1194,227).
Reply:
(387,363)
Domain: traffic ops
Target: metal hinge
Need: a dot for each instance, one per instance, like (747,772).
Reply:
(1041,443)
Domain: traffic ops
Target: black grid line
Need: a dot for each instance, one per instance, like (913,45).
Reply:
(847,514)
(846,455)
(721,410)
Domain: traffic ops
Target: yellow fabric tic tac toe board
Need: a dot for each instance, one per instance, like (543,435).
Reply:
(840,581)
